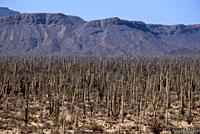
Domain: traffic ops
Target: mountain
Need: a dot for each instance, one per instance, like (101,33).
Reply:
(63,35)
(4,11)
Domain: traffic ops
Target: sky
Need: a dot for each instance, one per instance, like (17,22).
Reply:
(168,12)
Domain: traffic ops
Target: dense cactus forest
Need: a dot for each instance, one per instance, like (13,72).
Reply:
(61,95)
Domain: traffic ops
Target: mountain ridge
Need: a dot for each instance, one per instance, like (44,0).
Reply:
(57,34)
(4,11)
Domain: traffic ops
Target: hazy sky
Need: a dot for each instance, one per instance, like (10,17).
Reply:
(149,11)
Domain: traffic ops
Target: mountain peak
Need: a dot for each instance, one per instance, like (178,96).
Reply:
(41,18)
(5,11)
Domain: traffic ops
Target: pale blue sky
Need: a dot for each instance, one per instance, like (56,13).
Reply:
(149,11)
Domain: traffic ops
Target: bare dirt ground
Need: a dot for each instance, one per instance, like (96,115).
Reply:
(12,115)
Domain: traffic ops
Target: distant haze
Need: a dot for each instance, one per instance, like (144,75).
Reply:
(150,11)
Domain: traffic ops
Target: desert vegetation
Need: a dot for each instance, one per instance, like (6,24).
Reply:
(99,95)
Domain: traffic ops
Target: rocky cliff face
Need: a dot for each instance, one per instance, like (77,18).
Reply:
(59,34)
(4,11)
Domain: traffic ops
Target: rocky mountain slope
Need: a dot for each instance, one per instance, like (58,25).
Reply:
(63,35)
(4,11)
